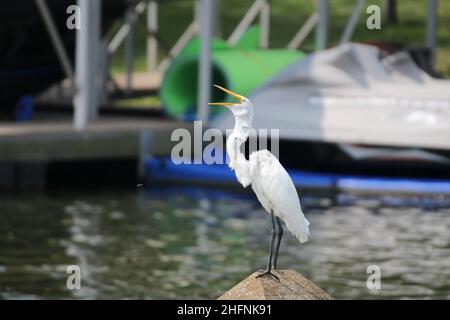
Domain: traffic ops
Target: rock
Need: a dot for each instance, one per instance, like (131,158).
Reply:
(291,286)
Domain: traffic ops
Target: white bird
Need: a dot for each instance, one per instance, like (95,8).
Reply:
(269,180)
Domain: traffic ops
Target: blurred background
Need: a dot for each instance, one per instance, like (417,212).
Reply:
(91,92)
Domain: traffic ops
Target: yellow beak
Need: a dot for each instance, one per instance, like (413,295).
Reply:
(227,104)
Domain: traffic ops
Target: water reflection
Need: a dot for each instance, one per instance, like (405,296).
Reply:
(193,243)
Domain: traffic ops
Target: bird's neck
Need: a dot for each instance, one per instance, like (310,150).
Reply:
(237,158)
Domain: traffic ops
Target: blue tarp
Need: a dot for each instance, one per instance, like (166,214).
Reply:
(165,169)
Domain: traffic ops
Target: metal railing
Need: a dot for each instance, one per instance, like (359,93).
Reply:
(93,53)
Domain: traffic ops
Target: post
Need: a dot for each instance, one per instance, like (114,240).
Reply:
(190,32)
(152,28)
(304,31)
(55,38)
(290,286)
(197,11)
(204,79)
(129,52)
(95,42)
(251,14)
(352,21)
(264,21)
(390,11)
(86,60)
(121,34)
(103,67)
(145,151)
(215,25)
(181,43)
(322,27)
(431,29)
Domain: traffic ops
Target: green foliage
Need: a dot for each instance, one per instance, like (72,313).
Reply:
(287,16)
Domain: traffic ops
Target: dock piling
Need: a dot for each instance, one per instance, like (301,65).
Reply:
(290,286)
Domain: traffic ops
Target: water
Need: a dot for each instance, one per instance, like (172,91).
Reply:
(191,243)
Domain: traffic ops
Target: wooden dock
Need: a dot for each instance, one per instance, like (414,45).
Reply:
(105,138)
(61,93)
(26,149)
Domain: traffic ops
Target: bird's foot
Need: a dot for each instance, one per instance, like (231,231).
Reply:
(267,273)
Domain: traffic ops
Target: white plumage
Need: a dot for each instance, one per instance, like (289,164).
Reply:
(276,191)
(269,180)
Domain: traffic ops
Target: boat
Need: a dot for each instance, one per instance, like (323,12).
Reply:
(354,109)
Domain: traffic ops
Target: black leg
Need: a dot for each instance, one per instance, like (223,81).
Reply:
(272,242)
(279,233)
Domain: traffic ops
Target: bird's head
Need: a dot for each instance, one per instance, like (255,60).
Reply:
(242,109)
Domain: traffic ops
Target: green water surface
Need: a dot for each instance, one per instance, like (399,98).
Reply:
(169,243)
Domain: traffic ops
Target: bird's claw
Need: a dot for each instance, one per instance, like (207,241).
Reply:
(267,273)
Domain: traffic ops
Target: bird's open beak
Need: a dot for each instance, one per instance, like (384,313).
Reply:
(227,104)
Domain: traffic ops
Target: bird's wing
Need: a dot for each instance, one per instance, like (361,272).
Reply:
(276,191)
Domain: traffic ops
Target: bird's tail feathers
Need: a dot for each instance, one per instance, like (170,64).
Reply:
(300,229)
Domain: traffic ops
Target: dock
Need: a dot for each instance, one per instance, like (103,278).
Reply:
(28,150)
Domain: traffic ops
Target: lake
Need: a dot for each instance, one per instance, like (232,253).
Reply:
(175,243)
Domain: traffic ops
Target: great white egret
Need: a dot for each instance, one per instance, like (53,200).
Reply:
(269,180)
